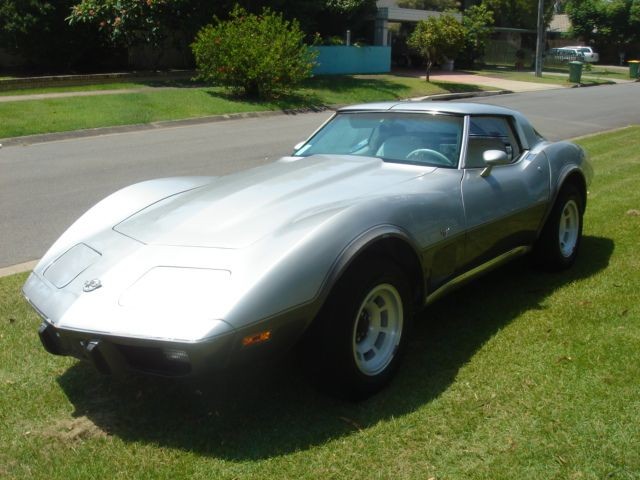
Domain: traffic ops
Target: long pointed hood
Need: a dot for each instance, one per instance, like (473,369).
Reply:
(238,210)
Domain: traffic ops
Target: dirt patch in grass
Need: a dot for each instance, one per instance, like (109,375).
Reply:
(75,429)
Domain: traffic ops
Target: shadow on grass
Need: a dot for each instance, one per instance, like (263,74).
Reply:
(347,83)
(317,92)
(275,411)
(453,87)
(172,82)
(294,101)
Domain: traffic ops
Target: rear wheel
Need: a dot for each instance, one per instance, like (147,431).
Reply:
(559,241)
(362,330)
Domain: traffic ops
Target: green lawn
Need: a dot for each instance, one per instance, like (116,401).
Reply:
(520,375)
(65,114)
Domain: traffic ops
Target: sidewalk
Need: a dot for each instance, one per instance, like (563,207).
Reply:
(497,83)
(84,93)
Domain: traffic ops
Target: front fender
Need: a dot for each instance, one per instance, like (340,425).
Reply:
(303,274)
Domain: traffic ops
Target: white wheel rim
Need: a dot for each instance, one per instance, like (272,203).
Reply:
(569,228)
(377,329)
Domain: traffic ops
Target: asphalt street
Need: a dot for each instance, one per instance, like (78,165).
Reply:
(45,186)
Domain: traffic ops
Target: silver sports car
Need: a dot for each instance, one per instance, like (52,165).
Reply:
(382,210)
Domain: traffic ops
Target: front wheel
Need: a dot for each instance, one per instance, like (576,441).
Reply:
(363,328)
(558,244)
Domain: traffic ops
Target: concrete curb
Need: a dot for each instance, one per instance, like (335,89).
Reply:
(18,268)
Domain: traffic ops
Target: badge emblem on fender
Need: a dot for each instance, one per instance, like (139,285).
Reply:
(91,285)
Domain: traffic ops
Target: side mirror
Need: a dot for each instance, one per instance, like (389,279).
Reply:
(493,158)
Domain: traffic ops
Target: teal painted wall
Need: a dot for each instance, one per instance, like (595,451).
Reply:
(346,60)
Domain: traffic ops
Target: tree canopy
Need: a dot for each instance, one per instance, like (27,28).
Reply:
(437,38)
(518,13)
(605,21)
(478,24)
(37,30)
(130,22)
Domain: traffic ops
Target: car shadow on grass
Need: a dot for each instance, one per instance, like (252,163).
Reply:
(276,410)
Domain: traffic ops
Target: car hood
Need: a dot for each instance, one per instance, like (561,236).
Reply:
(238,210)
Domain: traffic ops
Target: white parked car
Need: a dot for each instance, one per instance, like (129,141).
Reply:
(587,53)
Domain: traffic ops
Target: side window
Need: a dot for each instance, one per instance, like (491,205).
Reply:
(490,133)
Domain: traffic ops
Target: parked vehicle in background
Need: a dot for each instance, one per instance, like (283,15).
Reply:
(564,55)
(570,54)
(587,52)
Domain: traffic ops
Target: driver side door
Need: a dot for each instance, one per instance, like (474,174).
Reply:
(505,205)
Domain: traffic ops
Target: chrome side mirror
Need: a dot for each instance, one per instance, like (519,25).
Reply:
(493,158)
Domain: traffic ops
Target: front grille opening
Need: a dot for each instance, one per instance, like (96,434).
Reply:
(156,360)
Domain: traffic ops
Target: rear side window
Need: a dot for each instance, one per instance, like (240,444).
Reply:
(491,133)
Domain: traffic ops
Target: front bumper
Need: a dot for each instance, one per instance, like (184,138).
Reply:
(115,355)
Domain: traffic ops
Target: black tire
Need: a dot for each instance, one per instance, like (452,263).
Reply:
(557,247)
(344,327)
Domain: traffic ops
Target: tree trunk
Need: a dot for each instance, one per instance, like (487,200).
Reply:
(429,65)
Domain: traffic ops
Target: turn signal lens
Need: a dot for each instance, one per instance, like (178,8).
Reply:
(256,338)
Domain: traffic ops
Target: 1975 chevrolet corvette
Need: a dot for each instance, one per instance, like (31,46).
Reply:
(382,210)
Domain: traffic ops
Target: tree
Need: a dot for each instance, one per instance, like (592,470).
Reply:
(478,25)
(37,30)
(133,22)
(606,21)
(437,38)
(518,13)
(257,55)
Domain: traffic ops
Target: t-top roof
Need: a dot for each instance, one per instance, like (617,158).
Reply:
(441,107)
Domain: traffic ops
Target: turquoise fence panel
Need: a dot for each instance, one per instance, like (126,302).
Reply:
(347,60)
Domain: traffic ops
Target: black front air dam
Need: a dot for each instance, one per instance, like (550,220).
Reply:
(49,339)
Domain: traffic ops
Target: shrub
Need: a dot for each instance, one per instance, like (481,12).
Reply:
(255,55)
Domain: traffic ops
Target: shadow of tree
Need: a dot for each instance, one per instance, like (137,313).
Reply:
(275,410)
(453,87)
(179,82)
(315,93)
(296,100)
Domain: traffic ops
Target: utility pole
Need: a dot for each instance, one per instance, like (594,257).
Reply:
(540,40)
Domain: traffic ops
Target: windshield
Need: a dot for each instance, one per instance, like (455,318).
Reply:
(417,138)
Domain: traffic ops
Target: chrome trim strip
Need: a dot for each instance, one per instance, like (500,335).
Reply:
(474,272)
